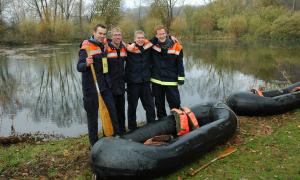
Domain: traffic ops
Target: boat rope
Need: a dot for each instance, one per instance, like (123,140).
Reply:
(227,108)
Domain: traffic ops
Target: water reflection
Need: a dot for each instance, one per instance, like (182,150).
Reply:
(40,89)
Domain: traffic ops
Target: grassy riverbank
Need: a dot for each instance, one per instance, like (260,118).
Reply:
(267,147)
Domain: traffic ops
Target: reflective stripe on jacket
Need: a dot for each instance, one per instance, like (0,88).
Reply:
(167,64)
(97,50)
(116,60)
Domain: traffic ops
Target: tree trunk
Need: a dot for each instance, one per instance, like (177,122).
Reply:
(55,11)
(38,10)
(294,5)
(80,16)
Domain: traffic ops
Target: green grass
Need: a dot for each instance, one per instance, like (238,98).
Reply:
(273,155)
(267,148)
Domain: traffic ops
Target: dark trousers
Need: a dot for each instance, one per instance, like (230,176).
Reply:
(120,107)
(172,95)
(134,92)
(91,105)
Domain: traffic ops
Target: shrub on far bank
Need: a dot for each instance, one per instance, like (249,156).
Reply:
(27,32)
(179,27)
(286,27)
(237,26)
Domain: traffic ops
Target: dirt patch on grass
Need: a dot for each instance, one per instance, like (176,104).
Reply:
(55,164)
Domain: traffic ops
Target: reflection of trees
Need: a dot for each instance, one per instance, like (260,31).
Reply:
(9,104)
(59,93)
(214,71)
(264,62)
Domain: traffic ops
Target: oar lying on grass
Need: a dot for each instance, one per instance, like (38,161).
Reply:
(225,153)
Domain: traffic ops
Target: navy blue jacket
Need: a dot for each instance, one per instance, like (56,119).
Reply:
(167,67)
(116,61)
(88,85)
(139,63)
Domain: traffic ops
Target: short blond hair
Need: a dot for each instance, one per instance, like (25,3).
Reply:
(159,27)
(115,29)
(139,32)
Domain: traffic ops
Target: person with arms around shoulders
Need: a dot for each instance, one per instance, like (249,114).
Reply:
(95,47)
(167,71)
(137,75)
(116,56)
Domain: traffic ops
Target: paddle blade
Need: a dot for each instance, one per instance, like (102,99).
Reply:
(227,152)
(105,118)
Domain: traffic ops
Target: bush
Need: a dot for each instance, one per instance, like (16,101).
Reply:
(64,30)
(286,27)
(179,26)
(204,22)
(46,33)
(263,31)
(237,25)
(149,25)
(222,23)
(271,13)
(254,23)
(28,31)
(128,27)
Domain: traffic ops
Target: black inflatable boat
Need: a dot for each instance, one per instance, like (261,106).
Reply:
(128,157)
(272,102)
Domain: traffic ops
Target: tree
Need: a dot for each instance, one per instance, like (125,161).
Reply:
(66,7)
(107,10)
(165,9)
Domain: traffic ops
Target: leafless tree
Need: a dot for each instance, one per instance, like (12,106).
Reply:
(165,9)
(108,10)
(66,8)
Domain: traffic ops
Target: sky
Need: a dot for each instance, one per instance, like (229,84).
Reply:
(135,3)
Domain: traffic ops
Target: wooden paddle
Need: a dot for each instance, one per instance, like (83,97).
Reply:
(225,153)
(103,111)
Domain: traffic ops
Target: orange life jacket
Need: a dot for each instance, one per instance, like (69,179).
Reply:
(175,49)
(136,50)
(182,125)
(187,120)
(93,48)
(296,89)
(112,52)
(258,92)
(192,118)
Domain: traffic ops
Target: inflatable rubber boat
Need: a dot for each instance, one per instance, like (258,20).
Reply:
(255,102)
(128,157)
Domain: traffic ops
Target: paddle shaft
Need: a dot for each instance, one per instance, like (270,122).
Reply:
(103,111)
(220,156)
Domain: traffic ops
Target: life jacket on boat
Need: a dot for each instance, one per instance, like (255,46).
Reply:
(296,89)
(258,92)
(193,123)
(185,119)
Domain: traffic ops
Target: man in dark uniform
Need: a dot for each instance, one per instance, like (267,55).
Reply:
(138,73)
(96,48)
(116,56)
(167,72)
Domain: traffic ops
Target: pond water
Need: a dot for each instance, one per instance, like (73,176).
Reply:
(40,89)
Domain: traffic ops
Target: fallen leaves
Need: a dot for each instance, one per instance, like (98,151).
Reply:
(66,153)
